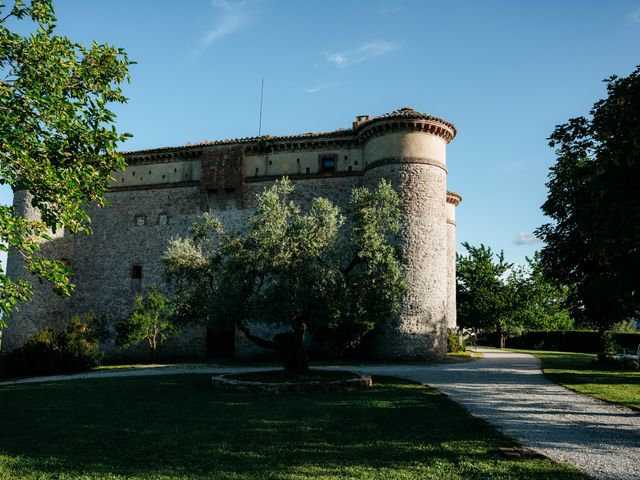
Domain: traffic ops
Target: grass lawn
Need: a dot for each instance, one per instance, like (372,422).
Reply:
(179,427)
(578,372)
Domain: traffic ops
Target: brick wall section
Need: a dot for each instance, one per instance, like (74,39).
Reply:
(222,171)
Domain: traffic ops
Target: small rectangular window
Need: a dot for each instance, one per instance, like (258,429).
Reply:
(308,170)
(136,272)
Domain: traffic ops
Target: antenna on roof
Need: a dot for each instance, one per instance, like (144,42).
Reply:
(261,98)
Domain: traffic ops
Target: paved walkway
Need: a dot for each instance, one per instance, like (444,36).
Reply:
(508,390)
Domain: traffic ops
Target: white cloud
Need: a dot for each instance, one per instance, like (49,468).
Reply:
(389,9)
(635,16)
(360,54)
(526,239)
(232,16)
(317,88)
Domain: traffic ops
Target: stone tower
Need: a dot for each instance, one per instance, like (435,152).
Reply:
(164,190)
(409,150)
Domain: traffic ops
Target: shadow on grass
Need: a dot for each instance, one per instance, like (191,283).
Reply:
(179,427)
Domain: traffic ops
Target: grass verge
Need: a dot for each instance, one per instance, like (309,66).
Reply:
(178,427)
(579,372)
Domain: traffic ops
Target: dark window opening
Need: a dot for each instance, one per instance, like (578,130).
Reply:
(328,164)
(136,272)
(346,158)
(350,168)
(308,170)
(257,172)
(355,162)
(270,162)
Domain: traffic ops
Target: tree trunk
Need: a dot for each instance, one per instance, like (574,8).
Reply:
(501,337)
(292,352)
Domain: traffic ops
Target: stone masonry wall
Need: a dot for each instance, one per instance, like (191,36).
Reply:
(420,332)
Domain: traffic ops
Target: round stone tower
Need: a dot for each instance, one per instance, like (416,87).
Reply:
(46,308)
(408,148)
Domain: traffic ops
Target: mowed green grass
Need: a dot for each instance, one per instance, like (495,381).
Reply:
(179,427)
(578,372)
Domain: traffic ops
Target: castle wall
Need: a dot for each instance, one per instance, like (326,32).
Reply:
(158,174)
(47,308)
(163,191)
(302,162)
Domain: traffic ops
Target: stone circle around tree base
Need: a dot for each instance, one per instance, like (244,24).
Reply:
(356,382)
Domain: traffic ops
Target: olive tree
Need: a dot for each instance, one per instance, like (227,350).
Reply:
(313,270)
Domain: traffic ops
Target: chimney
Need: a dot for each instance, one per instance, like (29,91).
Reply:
(360,119)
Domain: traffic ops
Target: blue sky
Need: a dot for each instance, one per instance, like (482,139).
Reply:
(504,72)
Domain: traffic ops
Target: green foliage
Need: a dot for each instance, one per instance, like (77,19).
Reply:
(308,271)
(495,296)
(150,321)
(57,138)
(455,343)
(49,352)
(591,243)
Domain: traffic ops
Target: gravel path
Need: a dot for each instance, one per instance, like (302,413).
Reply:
(508,390)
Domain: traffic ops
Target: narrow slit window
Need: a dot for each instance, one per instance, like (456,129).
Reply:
(136,272)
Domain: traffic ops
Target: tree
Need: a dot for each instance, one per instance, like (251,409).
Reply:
(150,321)
(544,302)
(495,296)
(484,298)
(57,138)
(592,242)
(305,271)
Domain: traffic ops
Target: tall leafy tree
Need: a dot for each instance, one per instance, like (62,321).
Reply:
(57,136)
(307,271)
(592,242)
(494,296)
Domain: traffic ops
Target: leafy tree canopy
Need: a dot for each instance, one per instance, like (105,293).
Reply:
(150,321)
(494,296)
(592,243)
(309,271)
(57,138)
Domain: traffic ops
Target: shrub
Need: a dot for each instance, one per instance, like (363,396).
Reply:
(455,342)
(572,341)
(51,352)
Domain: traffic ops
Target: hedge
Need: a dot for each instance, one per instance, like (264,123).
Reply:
(570,341)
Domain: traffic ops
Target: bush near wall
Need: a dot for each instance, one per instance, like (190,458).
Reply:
(581,341)
(51,352)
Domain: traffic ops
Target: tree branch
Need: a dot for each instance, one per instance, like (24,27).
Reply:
(261,342)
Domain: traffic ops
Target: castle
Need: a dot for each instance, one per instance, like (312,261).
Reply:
(163,191)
